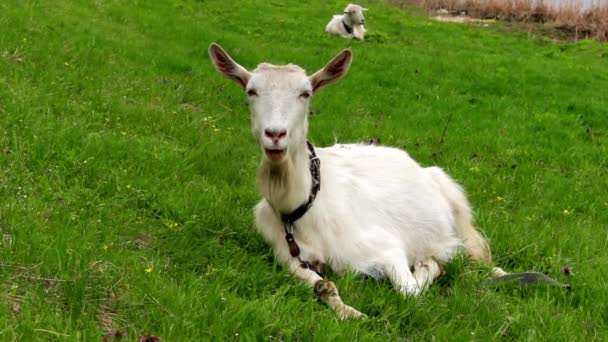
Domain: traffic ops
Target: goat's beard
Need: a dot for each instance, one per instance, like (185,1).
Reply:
(284,183)
(275,179)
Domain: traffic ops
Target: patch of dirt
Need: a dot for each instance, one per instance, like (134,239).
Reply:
(144,241)
(463,19)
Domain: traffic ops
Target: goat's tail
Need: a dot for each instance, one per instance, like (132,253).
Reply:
(474,243)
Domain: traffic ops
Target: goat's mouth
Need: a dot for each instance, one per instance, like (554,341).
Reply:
(275,155)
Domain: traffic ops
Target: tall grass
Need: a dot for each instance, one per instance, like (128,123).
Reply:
(571,17)
(589,23)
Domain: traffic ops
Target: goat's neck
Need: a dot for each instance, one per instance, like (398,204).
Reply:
(286,186)
(347,21)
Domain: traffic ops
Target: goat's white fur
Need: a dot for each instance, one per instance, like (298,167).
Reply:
(378,212)
(353,17)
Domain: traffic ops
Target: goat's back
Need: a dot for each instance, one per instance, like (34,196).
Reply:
(383,197)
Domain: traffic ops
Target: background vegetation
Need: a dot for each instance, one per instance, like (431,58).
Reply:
(127,171)
(574,19)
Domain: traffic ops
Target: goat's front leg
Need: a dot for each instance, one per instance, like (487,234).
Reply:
(326,291)
(358,32)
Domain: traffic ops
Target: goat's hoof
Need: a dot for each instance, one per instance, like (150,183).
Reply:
(420,265)
(348,312)
(499,272)
(325,288)
(432,267)
(411,291)
(442,270)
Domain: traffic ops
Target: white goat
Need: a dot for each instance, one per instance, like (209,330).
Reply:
(349,24)
(377,212)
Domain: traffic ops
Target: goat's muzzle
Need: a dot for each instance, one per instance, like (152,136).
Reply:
(275,155)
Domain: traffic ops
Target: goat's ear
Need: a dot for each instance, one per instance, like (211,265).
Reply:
(227,66)
(333,71)
(363,9)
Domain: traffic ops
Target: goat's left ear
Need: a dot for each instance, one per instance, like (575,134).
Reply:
(227,66)
(333,71)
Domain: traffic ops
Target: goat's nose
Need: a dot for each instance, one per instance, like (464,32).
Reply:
(275,134)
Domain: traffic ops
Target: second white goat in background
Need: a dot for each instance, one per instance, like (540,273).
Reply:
(349,24)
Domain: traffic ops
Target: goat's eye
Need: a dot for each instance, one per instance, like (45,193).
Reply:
(252,92)
(305,94)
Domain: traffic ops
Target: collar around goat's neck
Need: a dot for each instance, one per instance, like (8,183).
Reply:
(348,29)
(289,219)
(315,173)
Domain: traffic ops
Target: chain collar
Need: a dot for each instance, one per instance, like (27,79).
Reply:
(289,219)
(315,166)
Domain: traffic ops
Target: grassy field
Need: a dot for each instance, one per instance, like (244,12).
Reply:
(127,171)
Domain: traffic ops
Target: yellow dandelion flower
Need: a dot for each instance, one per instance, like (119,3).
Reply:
(568,212)
(104,247)
(149,270)
(500,199)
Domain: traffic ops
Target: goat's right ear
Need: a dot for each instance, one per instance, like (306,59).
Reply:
(333,71)
(227,66)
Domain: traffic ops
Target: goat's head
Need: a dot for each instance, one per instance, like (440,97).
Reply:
(278,98)
(355,14)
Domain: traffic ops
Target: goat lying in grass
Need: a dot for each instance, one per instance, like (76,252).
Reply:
(349,24)
(369,209)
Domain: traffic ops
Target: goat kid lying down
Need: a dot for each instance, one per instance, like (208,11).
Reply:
(349,24)
(369,209)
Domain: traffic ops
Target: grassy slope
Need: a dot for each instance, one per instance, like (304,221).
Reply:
(125,202)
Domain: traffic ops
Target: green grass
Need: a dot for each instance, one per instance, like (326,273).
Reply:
(125,200)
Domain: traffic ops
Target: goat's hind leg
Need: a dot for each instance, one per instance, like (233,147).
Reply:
(399,273)
(425,272)
(413,283)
